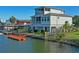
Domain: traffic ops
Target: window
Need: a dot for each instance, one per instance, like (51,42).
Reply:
(47,9)
(33,19)
(58,17)
(48,19)
(66,22)
(38,19)
(45,19)
(42,18)
(42,9)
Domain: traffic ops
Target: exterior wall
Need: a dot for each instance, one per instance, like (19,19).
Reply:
(62,20)
(54,21)
(46,12)
(8,28)
(56,11)
(38,12)
(58,21)
(44,23)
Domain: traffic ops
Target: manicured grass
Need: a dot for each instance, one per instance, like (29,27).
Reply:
(72,35)
(38,34)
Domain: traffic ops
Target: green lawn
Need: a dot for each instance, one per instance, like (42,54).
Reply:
(72,35)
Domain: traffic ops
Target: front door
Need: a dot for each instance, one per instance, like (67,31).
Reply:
(53,30)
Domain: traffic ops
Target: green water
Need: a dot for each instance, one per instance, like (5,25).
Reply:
(33,46)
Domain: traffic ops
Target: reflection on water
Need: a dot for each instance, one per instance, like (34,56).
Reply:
(33,45)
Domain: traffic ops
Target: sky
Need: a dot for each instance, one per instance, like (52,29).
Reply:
(24,12)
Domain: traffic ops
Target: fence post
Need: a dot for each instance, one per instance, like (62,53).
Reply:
(46,35)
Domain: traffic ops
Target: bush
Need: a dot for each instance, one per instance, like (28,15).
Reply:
(35,30)
(60,36)
(42,31)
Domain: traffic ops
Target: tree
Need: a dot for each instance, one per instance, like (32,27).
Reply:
(61,33)
(76,21)
(1,23)
(66,27)
(13,19)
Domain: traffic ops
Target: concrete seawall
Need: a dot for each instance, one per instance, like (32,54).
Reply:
(65,41)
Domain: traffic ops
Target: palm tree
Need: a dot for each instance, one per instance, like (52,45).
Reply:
(66,27)
(13,19)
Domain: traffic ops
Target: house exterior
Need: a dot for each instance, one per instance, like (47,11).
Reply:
(49,19)
(23,22)
(9,26)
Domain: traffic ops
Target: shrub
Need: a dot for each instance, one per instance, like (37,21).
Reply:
(59,36)
(35,30)
(42,31)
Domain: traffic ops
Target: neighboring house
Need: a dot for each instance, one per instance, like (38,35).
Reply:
(8,25)
(49,19)
(1,26)
(23,23)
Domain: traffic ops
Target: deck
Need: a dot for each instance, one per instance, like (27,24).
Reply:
(17,37)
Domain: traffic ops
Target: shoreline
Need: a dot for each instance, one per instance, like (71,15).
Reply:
(66,41)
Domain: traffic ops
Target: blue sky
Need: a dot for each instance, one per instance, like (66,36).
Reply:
(24,12)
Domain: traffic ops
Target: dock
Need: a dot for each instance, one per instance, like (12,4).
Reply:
(17,37)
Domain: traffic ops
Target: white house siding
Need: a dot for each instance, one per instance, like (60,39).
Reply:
(53,21)
(46,12)
(58,21)
(56,11)
(64,19)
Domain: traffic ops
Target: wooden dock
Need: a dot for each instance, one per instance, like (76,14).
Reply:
(17,37)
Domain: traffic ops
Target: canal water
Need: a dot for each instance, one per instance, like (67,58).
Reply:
(31,45)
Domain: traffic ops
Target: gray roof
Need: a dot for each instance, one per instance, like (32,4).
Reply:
(49,8)
(54,14)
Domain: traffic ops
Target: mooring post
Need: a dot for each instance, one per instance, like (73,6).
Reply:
(46,35)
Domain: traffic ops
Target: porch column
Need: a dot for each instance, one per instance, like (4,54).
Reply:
(50,31)
(41,19)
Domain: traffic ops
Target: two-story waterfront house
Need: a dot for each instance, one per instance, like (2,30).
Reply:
(49,19)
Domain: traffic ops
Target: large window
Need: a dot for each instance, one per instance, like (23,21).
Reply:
(33,19)
(48,18)
(39,11)
(38,19)
(47,9)
(45,19)
(58,17)
(42,19)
